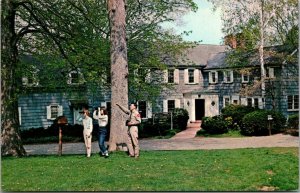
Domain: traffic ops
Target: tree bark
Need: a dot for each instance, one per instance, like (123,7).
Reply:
(119,74)
(261,52)
(11,143)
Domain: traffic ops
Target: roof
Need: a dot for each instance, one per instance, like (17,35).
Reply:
(200,54)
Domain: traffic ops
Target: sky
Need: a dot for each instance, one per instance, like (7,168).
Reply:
(205,24)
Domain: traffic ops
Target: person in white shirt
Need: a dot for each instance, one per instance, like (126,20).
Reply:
(87,123)
(102,117)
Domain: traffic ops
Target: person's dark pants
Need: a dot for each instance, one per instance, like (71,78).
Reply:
(101,139)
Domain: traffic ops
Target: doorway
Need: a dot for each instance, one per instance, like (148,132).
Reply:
(199,108)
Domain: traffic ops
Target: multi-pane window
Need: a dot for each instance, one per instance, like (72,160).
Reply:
(293,102)
(213,77)
(256,104)
(245,78)
(143,109)
(228,76)
(249,102)
(226,101)
(54,111)
(171,105)
(191,75)
(170,75)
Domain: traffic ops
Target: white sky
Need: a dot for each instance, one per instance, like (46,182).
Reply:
(205,24)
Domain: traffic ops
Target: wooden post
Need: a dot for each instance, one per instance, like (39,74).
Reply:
(61,122)
(60,141)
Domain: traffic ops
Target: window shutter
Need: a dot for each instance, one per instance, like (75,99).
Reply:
(48,112)
(165,75)
(231,76)
(20,115)
(186,76)
(209,77)
(60,110)
(196,76)
(176,76)
(271,73)
(165,106)
(216,76)
(260,103)
(149,110)
(177,103)
(148,76)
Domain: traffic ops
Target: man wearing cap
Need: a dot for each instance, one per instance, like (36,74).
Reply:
(133,121)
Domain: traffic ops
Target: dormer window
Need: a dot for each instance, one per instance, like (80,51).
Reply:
(245,78)
(213,77)
(31,78)
(75,77)
(228,76)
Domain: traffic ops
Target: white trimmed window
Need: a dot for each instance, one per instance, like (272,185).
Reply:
(191,76)
(256,102)
(245,78)
(213,77)
(170,105)
(235,99)
(31,79)
(54,111)
(226,101)
(293,102)
(75,77)
(228,76)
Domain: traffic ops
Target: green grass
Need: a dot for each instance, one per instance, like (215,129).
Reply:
(230,133)
(195,170)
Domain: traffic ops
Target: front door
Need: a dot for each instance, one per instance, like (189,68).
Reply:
(199,108)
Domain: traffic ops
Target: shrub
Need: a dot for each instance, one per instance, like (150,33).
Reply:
(215,125)
(256,123)
(180,118)
(236,112)
(293,121)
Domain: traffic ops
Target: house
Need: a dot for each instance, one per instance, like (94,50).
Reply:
(203,84)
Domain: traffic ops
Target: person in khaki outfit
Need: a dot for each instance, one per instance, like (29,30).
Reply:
(133,121)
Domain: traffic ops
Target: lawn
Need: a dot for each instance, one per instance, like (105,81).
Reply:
(196,170)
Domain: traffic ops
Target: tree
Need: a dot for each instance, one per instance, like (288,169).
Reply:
(11,143)
(119,72)
(71,35)
(268,22)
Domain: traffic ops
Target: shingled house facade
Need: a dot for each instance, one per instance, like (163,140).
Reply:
(203,86)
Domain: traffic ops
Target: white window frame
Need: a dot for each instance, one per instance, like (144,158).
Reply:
(50,115)
(243,78)
(228,74)
(165,104)
(210,78)
(235,98)
(80,77)
(35,81)
(293,103)
(224,101)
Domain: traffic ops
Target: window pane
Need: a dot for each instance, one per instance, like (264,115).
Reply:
(213,76)
(296,101)
(171,105)
(191,76)
(256,103)
(226,102)
(290,102)
(249,102)
(54,112)
(171,76)
(143,109)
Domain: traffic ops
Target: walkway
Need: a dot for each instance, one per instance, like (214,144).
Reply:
(190,131)
(278,140)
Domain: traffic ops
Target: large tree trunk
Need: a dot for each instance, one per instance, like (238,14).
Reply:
(119,74)
(261,53)
(11,143)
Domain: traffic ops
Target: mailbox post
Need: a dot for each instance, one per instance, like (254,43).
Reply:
(61,122)
(270,118)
